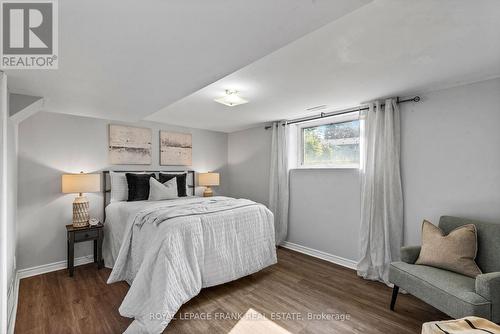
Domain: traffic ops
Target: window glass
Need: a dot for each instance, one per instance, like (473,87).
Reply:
(333,145)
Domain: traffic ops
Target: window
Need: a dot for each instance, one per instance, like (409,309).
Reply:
(330,143)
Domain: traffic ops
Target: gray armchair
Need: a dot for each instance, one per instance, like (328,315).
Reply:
(454,294)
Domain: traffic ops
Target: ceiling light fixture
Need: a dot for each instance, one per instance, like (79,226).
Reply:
(231,98)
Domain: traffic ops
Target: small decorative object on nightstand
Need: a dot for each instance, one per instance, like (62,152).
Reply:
(94,222)
(81,183)
(80,234)
(207,180)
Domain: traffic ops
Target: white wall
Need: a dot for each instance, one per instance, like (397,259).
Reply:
(248,161)
(51,144)
(450,165)
(451,155)
(324,210)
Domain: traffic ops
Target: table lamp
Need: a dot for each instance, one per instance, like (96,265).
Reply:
(207,180)
(81,183)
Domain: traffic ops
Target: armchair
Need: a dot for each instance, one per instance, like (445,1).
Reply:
(454,294)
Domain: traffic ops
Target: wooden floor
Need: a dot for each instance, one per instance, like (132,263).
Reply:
(299,284)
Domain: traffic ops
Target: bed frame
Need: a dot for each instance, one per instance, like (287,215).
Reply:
(106,189)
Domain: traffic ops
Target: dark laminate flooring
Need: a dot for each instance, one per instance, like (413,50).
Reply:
(298,284)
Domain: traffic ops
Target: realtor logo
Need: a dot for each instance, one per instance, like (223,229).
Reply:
(29,34)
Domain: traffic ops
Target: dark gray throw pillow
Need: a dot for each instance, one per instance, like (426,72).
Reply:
(138,186)
(181,182)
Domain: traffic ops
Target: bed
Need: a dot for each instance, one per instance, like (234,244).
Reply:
(169,250)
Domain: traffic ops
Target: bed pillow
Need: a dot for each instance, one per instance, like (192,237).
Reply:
(162,191)
(138,186)
(119,187)
(455,251)
(181,182)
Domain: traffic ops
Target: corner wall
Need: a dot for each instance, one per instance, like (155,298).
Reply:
(249,153)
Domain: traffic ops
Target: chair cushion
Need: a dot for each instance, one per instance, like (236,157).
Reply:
(449,292)
(454,251)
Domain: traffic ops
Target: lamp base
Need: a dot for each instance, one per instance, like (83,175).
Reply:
(81,211)
(208,192)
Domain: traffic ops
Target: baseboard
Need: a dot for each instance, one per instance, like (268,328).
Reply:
(320,255)
(47,268)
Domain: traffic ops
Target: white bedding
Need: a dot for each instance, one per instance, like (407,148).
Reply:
(168,250)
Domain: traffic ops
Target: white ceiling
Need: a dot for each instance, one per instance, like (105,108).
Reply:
(386,48)
(126,59)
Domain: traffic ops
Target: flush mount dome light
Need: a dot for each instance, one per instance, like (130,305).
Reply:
(231,99)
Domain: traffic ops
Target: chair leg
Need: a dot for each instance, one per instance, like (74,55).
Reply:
(395,291)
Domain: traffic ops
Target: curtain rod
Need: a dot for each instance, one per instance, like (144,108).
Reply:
(341,112)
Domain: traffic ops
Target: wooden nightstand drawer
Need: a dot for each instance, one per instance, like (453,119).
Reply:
(86,235)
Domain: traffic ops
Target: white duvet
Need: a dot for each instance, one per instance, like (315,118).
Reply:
(169,250)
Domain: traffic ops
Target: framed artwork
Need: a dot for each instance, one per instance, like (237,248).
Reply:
(129,145)
(176,149)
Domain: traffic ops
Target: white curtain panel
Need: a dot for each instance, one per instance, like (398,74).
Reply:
(278,180)
(381,191)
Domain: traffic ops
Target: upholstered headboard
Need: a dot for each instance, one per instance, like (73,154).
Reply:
(106,188)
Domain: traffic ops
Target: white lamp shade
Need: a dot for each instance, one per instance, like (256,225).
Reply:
(208,179)
(81,183)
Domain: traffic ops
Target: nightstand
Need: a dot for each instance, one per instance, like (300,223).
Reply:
(80,234)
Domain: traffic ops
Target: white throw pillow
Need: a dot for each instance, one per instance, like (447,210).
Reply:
(119,187)
(159,191)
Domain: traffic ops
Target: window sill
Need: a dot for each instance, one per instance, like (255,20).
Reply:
(324,167)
